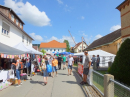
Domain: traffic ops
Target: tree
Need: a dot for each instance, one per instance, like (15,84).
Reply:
(121,65)
(43,51)
(67,45)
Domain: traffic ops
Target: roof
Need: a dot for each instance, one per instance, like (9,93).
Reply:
(12,12)
(53,44)
(15,24)
(35,47)
(122,4)
(78,45)
(108,39)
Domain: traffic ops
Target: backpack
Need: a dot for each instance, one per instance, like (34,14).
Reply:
(20,67)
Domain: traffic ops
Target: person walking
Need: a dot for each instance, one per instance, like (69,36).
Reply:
(44,68)
(70,64)
(87,65)
(93,60)
(54,64)
(50,62)
(64,62)
(98,61)
(17,63)
(59,62)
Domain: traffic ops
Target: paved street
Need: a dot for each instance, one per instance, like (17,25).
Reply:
(61,86)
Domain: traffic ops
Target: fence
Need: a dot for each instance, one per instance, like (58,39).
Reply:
(98,80)
(107,86)
(120,90)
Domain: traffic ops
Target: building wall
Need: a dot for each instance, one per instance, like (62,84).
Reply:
(125,20)
(79,48)
(111,48)
(5,11)
(50,50)
(15,35)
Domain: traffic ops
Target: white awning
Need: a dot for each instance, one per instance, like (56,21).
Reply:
(10,50)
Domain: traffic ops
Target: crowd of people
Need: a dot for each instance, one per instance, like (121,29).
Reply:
(56,63)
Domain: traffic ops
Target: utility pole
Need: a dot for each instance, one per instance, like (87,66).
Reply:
(82,44)
(72,37)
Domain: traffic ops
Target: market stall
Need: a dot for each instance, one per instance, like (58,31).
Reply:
(5,75)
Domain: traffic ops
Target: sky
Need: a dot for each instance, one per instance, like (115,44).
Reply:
(47,20)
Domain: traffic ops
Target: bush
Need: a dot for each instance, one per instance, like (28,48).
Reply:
(121,65)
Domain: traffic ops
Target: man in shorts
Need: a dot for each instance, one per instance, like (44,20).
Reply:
(64,62)
(87,65)
(70,64)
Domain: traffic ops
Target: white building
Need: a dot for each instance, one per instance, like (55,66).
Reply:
(11,28)
(79,47)
(53,46)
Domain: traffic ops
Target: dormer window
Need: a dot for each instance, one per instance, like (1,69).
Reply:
(17,22)
(20,25)
(12,18)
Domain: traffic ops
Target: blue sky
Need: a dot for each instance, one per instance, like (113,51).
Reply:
(46,20)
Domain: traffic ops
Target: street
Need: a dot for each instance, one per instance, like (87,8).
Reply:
(61,86)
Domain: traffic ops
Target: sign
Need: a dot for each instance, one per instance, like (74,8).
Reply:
(80,68)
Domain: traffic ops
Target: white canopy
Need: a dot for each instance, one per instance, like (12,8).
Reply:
(9,50)
(95,52)
(34,51)
(105,57)
(27,49)
(22,47)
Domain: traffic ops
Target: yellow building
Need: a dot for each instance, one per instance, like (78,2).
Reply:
(124,9)
(109,43)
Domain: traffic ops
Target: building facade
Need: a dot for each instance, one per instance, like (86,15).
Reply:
(11,28)
(79,47)
(109,43)
(53,46)
(124,9)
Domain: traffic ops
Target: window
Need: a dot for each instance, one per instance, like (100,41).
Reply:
(12,18)
(22,38)
(47,50)
(54,49)
(50,49)
(17,22)
(20,25)
(27,40)
(80,46)
(58,49)
(5,29)
(84,47)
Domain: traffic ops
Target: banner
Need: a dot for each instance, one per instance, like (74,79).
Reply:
(80,68)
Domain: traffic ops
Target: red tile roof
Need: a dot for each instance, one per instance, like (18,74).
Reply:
(53,44)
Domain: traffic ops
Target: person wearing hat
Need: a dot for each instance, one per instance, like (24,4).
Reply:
(70,64)
(86,67)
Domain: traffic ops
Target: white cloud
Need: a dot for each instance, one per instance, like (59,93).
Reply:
(59,1)
(71,42)
(36,37)
(98,36)
(66,5)
(115,27)
(82,17)
(28,12)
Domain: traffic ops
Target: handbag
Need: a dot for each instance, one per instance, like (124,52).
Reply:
(49,68)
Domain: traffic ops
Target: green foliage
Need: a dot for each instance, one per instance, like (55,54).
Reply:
(121,65)
(67,45)
(43,51)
